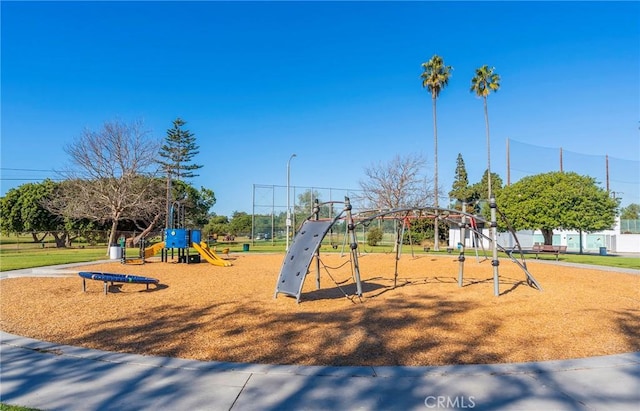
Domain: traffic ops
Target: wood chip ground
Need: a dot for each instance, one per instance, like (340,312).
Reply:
(206,312)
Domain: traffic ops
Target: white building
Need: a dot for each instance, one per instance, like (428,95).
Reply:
(602,242)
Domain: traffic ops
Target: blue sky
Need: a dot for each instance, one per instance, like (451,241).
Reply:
(337,83)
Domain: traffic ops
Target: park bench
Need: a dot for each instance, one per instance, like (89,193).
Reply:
(549,249)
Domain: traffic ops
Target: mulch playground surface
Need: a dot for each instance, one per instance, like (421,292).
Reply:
(211,313)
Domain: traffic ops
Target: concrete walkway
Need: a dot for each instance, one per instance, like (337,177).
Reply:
(50,376)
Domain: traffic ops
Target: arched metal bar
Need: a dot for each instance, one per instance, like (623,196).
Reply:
(446,214)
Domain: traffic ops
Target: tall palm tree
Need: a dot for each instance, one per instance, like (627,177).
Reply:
(483,83)
(435,77)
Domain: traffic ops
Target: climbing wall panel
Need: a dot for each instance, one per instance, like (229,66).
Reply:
(296,263)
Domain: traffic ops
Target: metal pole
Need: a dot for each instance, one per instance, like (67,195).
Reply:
(494,238)
(606,162)
(316,216)
(253,216)
(354,245)
(463,235)
(294,222)
(399,235)
(508,165)
(288,222)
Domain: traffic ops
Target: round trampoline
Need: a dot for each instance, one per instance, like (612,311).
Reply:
(114,278)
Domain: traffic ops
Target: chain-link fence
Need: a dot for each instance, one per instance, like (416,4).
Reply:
(271,203)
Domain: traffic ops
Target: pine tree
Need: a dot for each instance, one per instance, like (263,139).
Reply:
(460,187)
(178,150)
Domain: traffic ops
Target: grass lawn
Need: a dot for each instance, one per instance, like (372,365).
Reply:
(608,260)
(14,259)
(6,407)
(17,259)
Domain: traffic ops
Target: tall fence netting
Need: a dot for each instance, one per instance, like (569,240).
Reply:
(621,177)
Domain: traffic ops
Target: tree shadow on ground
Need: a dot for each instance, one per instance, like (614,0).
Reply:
(629,325)
(341,291)
(117,288)
(352,335)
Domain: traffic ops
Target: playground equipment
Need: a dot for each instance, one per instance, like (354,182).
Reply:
(114,278)
(179,240)
(143,253)
(306,245)
(153,250)
(182,239)
(210,255)
(176,239)
(307,241)
(132,260)
(476,238)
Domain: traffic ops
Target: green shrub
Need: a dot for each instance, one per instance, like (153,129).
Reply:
(415,237)
(374,236)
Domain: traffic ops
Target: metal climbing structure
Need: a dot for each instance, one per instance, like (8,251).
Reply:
(306,246)
(308,239)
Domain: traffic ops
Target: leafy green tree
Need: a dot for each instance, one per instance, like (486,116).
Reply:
(435,78)
(11,220)
(21,210)
(197,203)
(557,200)
(479,190)
(476,194)
(630,212)
(306,201)
(217,225)
(240,223)
(483,83)
(263,223)
(422,230)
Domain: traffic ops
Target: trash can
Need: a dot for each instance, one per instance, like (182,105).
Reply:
(603,250)
(245,247)
(115,252)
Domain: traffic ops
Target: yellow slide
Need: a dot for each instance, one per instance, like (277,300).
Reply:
(153,250)
(209,255)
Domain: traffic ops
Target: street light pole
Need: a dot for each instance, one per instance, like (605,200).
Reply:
(288,222)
